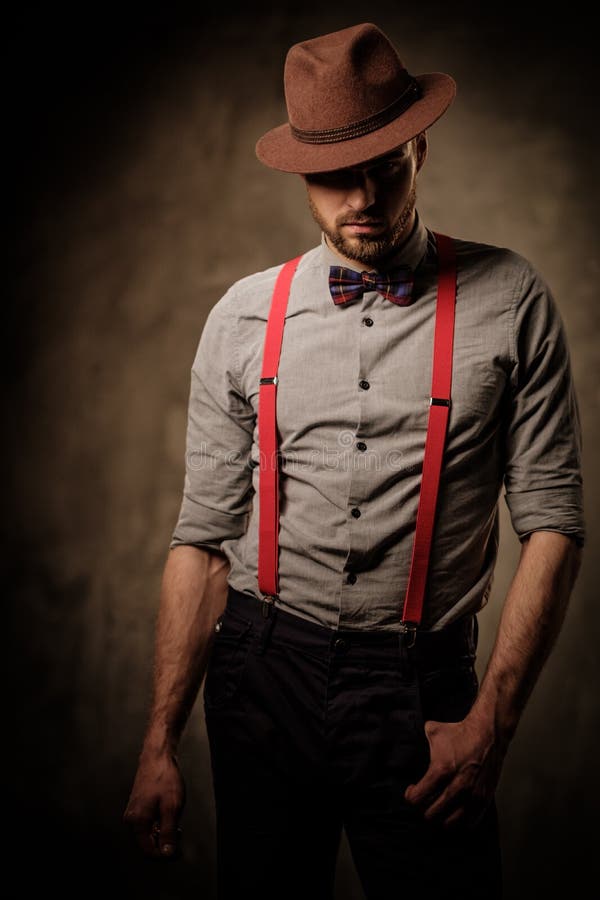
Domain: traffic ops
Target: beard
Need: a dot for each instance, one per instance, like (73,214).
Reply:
(366,249)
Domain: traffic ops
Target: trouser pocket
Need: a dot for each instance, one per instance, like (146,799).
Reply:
(227,660)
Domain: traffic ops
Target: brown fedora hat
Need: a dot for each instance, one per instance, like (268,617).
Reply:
(349,99)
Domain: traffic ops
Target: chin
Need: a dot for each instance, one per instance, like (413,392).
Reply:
(362,243)
(365,249)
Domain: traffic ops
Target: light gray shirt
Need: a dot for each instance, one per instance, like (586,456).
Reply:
(347,515)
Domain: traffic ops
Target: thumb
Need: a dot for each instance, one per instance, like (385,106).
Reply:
(431,727)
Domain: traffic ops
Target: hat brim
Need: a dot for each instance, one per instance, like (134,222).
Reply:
(279,149)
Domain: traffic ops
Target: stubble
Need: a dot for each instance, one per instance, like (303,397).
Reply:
(364,248)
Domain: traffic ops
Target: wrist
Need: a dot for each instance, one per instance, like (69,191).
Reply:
(492,719)
(159,742)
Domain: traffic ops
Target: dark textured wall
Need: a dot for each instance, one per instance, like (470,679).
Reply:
(137,201)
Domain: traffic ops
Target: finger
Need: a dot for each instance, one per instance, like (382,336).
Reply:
(142,828)
(431,783)
(170,847)
(457,817)
(169,831)
(164,845)
(447,802)
(429,787)
(147,841)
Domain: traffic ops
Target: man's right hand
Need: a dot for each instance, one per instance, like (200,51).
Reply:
(156,804)
(193,596)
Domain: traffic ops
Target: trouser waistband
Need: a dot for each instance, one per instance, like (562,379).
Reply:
(431,647)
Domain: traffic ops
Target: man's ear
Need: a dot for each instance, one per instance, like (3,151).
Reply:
(421,148)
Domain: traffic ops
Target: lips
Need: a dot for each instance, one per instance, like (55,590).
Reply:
(364,227)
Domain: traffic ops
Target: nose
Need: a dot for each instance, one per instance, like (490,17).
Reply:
(361,192)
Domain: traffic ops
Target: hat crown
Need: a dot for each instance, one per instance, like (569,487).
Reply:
(350,99)
(342,77)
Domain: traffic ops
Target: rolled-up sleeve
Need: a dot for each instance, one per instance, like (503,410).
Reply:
(543,464)
(217,492)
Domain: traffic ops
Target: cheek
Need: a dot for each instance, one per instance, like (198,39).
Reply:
(326,203)
(397,196)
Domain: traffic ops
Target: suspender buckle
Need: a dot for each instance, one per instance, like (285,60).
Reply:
(272,380)
(268,603)
(439,401)
(410,630)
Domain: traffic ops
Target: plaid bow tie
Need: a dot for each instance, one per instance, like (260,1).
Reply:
(348,284)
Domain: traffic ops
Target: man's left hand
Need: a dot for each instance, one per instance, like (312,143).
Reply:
(463,773)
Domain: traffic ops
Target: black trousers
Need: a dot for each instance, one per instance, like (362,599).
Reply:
(313,729)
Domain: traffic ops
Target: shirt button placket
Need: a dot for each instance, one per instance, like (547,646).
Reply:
(357,485)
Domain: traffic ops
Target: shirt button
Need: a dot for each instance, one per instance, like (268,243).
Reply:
(351,578)
(356,512)
(361,446)
(364,385)
(368,321)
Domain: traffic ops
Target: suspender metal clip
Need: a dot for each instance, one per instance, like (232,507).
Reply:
(268,603)
(410,630)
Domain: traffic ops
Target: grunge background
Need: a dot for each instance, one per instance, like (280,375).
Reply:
(133,199)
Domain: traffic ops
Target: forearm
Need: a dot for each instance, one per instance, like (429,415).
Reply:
(533,614)
(193,596)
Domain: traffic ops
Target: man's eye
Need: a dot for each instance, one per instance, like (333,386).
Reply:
(388,168)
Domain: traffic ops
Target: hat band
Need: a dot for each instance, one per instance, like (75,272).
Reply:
(331,135)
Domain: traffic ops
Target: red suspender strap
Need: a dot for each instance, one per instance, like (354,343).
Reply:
(268,511)
(439,407)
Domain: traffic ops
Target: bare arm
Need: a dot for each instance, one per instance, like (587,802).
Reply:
(533,615)
(467,756)
(193,595)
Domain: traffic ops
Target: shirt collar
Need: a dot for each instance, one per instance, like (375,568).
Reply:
(410,253)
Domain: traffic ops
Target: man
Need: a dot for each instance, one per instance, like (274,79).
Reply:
(326,705)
